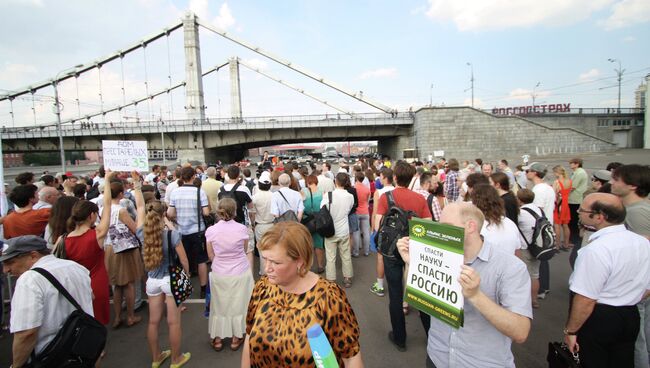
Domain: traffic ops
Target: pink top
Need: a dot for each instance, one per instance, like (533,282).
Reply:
(363,194)
(228,240)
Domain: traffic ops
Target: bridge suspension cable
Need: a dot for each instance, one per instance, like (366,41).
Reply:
(299,90)
(296,68)
(95,64)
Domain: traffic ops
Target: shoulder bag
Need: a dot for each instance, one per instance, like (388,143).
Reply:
(180,283)
(322,223)
(79,342)
(121,238)
(288,215)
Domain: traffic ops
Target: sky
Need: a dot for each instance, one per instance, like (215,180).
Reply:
(402,54)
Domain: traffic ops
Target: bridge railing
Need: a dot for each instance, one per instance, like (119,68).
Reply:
(87,128)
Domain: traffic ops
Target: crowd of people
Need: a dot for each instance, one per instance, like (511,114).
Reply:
(115,235)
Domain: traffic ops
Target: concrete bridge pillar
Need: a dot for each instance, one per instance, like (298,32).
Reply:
(194,103)
(195,150)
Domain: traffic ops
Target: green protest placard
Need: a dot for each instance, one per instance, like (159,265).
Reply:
(436,252)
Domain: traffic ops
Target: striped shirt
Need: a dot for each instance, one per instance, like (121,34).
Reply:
(184,201)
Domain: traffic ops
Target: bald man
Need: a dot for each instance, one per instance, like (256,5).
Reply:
(611,276)
(498,310)
(47,196)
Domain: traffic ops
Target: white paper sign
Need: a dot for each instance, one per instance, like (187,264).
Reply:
(125,155)
(439,153)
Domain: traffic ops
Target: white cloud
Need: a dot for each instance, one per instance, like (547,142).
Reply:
(200,8)
(478,103)
(628,12)
(477,15)
(257,63)
(526,94)
(629,39)
(13,74)
(589,75)
(379,73)
(224,19)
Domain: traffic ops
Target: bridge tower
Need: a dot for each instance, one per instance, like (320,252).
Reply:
(235,90)
(194,102)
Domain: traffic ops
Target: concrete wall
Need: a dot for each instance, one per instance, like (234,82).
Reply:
(467,133)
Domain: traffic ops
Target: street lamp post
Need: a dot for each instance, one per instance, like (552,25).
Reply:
(471,80)
(533,94)
(57,105)
(619,74)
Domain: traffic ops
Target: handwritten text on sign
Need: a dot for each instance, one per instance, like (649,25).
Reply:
(125,155)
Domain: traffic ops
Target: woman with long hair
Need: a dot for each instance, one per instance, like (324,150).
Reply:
(57,225)
(124,268)
(231,279)
(84,244)
(497,228)
(154,230)
(562,213)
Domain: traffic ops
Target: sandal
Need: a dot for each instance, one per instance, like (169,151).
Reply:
(186,358)
(132,322)
(234,346)
(117,323)
(217,345)
(163,356)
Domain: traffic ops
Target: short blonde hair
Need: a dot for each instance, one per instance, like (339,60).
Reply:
(295,239)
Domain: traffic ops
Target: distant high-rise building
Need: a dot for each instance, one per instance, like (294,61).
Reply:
(640,94)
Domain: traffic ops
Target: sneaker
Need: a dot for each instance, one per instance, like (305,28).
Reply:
(400,347)
(375,289)
(542,295)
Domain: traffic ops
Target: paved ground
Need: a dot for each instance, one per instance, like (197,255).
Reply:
(128,347)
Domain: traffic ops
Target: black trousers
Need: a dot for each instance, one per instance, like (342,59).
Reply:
(573,225)
(394,270)
(430,363)
(195,250)
(607,337)
(544,276)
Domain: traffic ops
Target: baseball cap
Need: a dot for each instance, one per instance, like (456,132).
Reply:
(265,178)
(537,167)
(603,175)
(21,245)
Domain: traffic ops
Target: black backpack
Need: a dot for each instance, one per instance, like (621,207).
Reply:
(250,184)
(394,225)
(223,193)
(79,342)
(542,246)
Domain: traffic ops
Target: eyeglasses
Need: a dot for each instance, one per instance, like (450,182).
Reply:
(582,210)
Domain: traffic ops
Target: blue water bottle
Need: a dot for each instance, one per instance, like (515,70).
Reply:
(321,349)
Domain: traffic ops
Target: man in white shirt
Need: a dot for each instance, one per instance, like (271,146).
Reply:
(262,209)
(342,203)
(544,199)
(47,196)
(286,199)
(151,177)
(611,276)
(173,184)
(326,179)
(526,224)
(38,310)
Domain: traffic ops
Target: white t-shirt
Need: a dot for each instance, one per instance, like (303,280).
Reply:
(37,303)
(325,184)
(545,199)
(526,223)
(504,236)
(613,269)
(342,203)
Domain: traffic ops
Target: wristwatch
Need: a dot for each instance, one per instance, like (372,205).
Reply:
(569,333)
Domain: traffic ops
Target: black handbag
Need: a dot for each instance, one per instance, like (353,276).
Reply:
(322,222)
(179,281)
(79,342)
(559,356)
(208,220)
